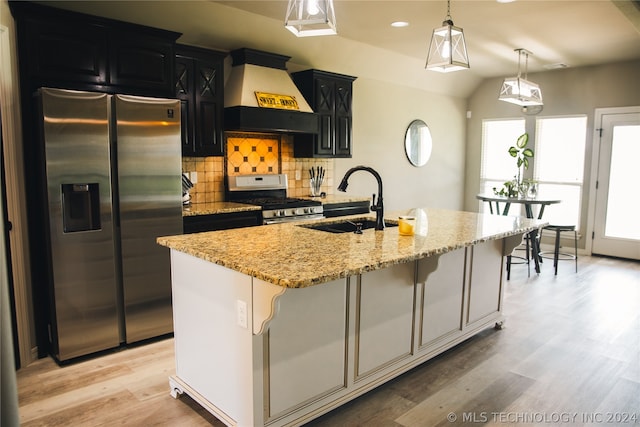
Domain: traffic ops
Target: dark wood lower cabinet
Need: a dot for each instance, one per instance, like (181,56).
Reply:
(223,221)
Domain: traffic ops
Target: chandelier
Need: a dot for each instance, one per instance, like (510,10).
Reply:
(518,90)
(307,18)
(448,50)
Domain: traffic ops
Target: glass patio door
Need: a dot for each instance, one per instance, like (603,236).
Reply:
(616,227)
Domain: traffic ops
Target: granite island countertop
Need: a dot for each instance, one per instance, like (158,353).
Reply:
(294,256)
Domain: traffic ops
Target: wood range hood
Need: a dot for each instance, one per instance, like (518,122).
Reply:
(258,71)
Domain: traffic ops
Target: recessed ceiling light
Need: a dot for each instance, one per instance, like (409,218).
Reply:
(399,24)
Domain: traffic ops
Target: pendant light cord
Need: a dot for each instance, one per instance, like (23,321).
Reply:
(448,19)
(526,62)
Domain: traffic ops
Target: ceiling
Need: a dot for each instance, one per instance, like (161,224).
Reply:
(572,33)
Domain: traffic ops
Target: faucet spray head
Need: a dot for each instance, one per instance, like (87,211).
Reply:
(343,185)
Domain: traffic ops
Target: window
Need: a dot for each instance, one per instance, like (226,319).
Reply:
(559,165)
(496,165)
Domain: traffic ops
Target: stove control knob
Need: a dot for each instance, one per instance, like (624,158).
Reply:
(282,213)
(306,210)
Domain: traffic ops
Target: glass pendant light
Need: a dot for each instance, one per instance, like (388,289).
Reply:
(448,50)
(307,18)
(518,90)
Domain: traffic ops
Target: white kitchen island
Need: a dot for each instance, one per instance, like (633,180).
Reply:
(276,325)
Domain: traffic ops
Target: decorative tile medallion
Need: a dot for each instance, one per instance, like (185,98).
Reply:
(252,154)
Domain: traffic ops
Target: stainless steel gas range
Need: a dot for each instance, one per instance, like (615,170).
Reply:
(270,192)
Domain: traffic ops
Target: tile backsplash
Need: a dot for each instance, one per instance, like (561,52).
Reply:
(253,153)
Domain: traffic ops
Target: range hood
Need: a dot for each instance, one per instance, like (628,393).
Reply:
(257,71)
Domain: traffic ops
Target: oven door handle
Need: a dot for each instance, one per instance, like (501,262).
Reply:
(292,219)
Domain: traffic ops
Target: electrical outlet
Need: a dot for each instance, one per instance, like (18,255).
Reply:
(298,174)
(241,311)
(194,177)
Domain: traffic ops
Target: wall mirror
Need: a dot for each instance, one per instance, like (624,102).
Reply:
(418,143)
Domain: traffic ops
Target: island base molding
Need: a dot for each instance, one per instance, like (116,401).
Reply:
(323,345)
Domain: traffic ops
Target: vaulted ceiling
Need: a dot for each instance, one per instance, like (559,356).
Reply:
(559,33)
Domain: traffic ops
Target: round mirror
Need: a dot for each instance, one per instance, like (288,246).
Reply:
(417,143)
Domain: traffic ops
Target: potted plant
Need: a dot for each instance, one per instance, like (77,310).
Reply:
(518,185)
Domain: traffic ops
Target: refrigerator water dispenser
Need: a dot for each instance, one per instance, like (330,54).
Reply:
(80,207)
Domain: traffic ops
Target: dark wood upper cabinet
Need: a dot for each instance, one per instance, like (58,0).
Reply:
(199,84)
(56,52)
(141,61)
(330,96)
(72,50)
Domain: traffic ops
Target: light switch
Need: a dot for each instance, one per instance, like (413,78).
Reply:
(194,177)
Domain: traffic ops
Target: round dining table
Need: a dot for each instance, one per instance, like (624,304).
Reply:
(529,203)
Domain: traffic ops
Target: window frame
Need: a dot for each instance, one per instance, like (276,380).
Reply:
(487,183)
(545,185)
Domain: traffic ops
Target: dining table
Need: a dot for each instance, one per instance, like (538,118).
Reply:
(530,203)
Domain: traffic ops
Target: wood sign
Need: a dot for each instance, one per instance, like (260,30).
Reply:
(271,100)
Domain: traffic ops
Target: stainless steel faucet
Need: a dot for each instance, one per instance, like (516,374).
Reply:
(378,207)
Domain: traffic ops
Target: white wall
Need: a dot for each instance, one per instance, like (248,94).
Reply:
(381,114)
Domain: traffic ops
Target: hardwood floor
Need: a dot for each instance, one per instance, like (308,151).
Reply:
(569,354)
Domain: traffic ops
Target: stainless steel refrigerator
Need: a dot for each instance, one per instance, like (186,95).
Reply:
(113,171)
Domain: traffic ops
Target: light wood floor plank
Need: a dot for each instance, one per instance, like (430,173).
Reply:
(571,345)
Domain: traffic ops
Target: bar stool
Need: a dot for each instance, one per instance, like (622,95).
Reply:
(556,255)
(522,259)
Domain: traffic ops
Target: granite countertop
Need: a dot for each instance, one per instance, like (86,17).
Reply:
(217,208)
(293,256)
(212,208)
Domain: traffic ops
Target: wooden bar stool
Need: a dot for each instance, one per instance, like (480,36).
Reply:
(556,255)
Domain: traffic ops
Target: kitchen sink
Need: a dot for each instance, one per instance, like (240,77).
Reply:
(347,226)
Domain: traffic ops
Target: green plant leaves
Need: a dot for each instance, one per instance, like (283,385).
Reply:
(522,156)
(521,153)
(522,140)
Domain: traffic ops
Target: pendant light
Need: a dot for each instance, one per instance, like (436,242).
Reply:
(307,18)
(448,50)
(518,90)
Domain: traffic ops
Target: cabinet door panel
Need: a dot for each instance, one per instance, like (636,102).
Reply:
(343,98)
(59,52)
(325,100)
(306,348)
(325,138)
(442,282)
(187,130)
(142,63)
(485,294)
(343,136)
(199,83)
(384,325)
(184,77)
(208,141)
